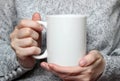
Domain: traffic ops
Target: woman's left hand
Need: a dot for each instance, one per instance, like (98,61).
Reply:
(90,68)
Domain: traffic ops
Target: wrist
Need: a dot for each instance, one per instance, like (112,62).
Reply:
(26,64)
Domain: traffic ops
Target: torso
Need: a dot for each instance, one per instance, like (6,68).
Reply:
(103,16)
(102,23)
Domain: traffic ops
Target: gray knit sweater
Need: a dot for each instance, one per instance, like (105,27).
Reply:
(103,34)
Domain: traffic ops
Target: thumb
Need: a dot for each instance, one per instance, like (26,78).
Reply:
(90,58)
(36,16)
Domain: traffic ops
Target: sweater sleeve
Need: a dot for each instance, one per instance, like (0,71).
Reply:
(9,66)
(112,67)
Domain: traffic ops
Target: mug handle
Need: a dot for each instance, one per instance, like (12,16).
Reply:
(44,55)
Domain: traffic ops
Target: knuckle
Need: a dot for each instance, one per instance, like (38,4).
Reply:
(90,72)
(11,35)
(96,53)
(30,41)
(28,31)
(35,50)
(13,44)
(36,36)
(93,51)
(22,22)
(20,54)
(35,43)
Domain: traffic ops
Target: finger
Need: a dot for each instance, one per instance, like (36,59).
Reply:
(99,64)
(65,70)
(30,51)
(68,75)
(27,32)
(63,73)
(74,78)
(13,34)
(90,58)
(30,24)
(26,42)
(45,65)
(36,16)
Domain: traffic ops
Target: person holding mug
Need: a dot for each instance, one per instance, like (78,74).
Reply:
(101,62)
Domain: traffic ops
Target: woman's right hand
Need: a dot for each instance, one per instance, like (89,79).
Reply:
(25,40)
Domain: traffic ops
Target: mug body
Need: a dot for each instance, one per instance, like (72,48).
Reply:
(66,39)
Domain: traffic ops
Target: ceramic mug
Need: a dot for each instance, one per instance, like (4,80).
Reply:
(66,39)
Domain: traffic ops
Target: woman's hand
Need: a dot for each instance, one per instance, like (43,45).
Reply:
(90,68)
(25,40)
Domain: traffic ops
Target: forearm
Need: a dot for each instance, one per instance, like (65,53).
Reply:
(9,66)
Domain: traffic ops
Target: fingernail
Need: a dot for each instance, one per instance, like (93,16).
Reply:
(82,62)
(42,64)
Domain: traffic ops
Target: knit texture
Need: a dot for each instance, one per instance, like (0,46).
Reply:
(103,32)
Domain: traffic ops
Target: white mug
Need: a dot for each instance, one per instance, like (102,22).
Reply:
(66,39)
